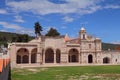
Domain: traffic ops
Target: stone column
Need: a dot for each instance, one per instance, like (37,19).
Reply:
(79,58)
(64,57)
(82,58)
(38,57)
(54,56)
(95,58)
(43,57)
(13,55)
(29,58)
(39,53)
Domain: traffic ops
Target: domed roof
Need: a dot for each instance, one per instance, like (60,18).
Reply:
(82,28)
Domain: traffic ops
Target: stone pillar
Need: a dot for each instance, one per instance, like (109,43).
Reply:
(40,53)
(64,57)
(13,55)
(95,57)
(43,57)
(38,58)
(54,56)
(79,58)
(29,58)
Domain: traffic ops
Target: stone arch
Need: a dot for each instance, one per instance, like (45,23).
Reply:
(90,58)
(34,55)
(58,56)
(49,55)
(73,55)
(106,60)
(22,56)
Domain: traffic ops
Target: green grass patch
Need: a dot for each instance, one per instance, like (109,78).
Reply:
(68,73)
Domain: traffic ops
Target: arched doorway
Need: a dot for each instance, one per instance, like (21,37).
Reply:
(22,56)
(49,56)
(34,55)
(73,55)
(90,58)
(106,60)
(58,56)
(74,59)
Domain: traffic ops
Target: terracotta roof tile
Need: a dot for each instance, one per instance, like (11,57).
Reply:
(66,38)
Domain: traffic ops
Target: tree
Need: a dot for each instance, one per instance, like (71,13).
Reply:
(19,38)
(14,39)
(38,29)
(52,32)
(25,38)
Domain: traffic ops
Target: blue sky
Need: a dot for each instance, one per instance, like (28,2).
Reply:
(101,18)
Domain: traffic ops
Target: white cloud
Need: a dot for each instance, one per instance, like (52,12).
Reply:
(2,11)
(44,7)
(10,26)
(18,19)
(25,31)
(112,6)
(3,30)
(115,42)
(64,27)
(67,19)
(16,28)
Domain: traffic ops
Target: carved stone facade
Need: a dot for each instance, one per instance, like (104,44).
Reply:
(60,50)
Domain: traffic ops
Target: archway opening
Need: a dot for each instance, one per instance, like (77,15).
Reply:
(58,56)
(22,56)
(34,55)
(73,55)
(49,56)
(106,60)
(18,59)
(25,59)
(90,58)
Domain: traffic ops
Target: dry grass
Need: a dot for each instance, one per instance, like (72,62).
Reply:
(68,73)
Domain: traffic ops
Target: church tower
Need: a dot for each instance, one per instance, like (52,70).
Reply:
(82,33)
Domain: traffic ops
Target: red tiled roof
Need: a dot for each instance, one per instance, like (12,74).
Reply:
(66,38)
(77,40)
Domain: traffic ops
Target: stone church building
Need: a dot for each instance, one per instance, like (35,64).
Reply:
(61,50)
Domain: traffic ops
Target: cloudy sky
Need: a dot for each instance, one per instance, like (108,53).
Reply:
(101,18)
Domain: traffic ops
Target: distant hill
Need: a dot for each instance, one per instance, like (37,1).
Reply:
(9,37)
(106,46)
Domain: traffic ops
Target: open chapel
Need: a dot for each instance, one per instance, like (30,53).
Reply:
(61,50)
